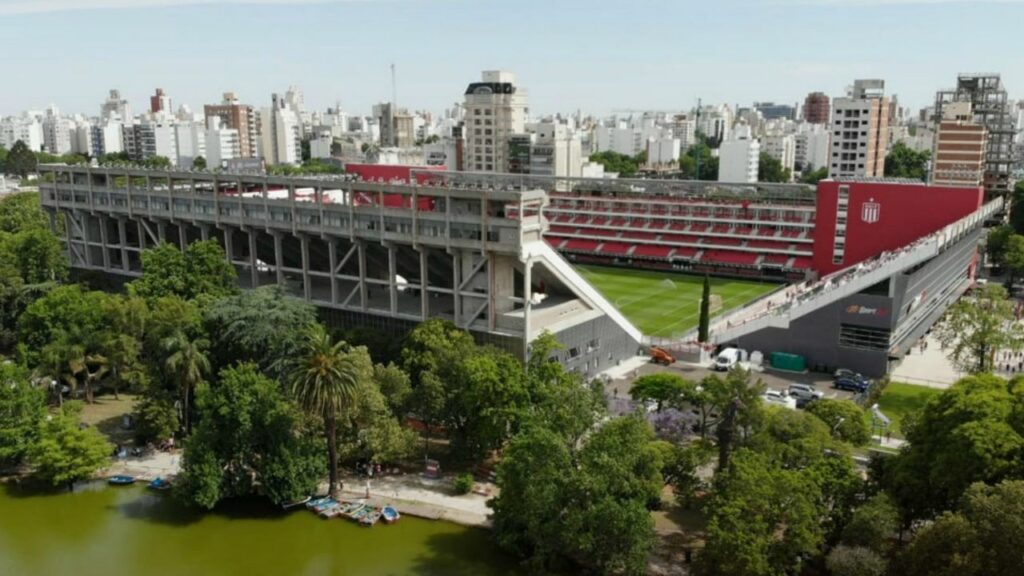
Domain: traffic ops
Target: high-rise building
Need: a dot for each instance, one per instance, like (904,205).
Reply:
(860,130)
(241,117)
(816,108)
(281,133)
(958,158)
(56,132)
(738,157)
(991,109)
(773,111)
(496,109)
(782,147)
(160,102)
(812,147)
(115,108)
(222,144)
(555,151)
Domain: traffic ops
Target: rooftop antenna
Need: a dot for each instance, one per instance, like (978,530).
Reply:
(394,106)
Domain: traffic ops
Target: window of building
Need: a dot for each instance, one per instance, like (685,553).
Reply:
(574,352)
(863,337)
(487,112)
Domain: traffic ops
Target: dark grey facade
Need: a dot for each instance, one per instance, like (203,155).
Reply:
(868,330)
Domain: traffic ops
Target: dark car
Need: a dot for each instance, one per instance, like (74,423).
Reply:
(852,384)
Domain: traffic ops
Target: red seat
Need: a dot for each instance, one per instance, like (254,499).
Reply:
(615,248)
(652,251)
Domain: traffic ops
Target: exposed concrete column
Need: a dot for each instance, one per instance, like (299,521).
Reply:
(456,282)
(424,284)
(527,306)
(254,272)
(161,231)
(392,283)
(364,300)
(278,258)
(229,252)
(142,235)
(103,241)
(332,255)
(67,236)
(204,232)
(182,236)
(83,225)
(122,237)
(306,287)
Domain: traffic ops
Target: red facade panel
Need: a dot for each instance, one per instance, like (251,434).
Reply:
(884,216)
(389,172)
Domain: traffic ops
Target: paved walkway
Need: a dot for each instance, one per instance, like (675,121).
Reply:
(929,367)
(424,497)
(162,464)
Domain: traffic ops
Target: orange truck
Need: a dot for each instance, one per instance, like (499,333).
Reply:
(661,356)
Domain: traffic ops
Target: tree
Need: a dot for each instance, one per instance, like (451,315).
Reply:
(662,387)
(854,561)
(20,212)
(38,254)
(249,437)
(20,161)
(844,418)
(1017,208)
(996,243)
(981,538)
(1013,259)
(22,408)
(971,432)
(873,524)
(698,162)
(157,162)
(976,326)
(265,326)
(769,169)
(199,163)
(201,270)
(369,431)
(599,493)
(762,518)
(815,176)
(187,363)
(622,164)
(904,162)
(326,377)
(65,451)
(394,384)
(704,323)
(156,418)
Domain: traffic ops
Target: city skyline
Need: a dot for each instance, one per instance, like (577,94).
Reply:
(635,57)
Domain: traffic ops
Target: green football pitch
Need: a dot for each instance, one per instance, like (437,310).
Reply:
(667,304)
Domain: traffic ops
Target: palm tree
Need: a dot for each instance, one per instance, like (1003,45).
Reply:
(186,360)
(325,377)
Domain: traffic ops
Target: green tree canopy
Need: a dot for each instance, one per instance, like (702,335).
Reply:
(20,161)
(845,418)
(904,162)
(248,436)
(622,164)
(971,432)
(664,388)
(977,325)
(199,163)
(769,169)
(22,409)
(996,243)
(64,451)
(202,270)
(815,176)
(698,162)
(983,537)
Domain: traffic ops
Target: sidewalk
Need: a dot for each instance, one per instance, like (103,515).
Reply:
(162,464)
(423,497)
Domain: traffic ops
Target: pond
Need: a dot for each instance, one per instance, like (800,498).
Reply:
(106,531)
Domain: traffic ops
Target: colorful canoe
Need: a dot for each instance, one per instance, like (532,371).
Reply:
(390,514)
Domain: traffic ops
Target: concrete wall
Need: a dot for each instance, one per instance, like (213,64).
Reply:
(614,346)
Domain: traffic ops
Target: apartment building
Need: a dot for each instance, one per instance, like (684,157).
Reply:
(958,157)
(860,131)
(241,117)
(495,109)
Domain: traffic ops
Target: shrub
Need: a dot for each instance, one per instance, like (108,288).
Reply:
(463,483)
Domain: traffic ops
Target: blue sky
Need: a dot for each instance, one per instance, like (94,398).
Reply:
(569,54)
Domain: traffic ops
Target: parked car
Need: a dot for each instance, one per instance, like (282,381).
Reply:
(779,398)
(852,385)
(847,373)
(804,393)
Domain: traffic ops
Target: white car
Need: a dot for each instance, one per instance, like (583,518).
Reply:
(779,398)
(805,393)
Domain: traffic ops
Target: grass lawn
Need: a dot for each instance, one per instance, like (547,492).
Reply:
(107,414)
(900,399)
(666,304)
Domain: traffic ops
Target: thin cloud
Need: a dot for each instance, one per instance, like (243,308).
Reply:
(16,7)
(854,3)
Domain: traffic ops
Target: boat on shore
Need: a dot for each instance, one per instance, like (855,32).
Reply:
(160,484)
(121,480)
(312,504)
(331,510)
(390,514)
(294,503)
(370,518)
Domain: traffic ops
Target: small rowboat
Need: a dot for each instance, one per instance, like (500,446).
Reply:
(160,484)
(331,511)
(312,504)
(121,480)
(370,518)
(390,514)
(324,505)
(294,503)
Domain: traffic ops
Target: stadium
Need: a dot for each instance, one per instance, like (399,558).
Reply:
(844,274)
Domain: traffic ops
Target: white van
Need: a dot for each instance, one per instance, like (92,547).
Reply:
(728,358)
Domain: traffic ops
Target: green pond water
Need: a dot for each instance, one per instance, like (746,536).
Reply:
(109,531)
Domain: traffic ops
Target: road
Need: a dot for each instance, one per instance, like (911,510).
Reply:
(618,389)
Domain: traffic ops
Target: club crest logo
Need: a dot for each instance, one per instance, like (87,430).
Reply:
(870,211)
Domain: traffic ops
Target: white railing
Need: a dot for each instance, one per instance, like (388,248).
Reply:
(804,299)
